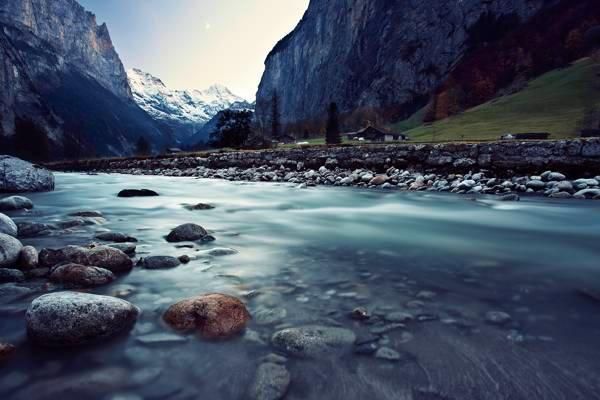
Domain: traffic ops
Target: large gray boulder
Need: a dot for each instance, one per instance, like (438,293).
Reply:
(14,203)
(71,318)
(9,250)
(17,175)
(8,226)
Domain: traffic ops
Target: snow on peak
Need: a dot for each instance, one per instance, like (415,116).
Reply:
(185,106)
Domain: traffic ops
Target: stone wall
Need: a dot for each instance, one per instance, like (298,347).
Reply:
(577,156)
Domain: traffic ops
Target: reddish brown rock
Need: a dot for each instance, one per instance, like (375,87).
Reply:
(101,256)
(81,275)
(214,316)
(6,351)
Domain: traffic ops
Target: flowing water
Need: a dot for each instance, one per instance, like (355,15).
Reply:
(309,257)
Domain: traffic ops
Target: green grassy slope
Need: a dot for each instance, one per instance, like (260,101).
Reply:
(553,103)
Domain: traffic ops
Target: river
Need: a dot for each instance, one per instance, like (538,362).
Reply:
(309,257)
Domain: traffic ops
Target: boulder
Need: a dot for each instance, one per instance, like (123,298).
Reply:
(87,214)
(81,275)
(8,226)
(137,193)
(271,382)
(71,318)
(214,316)
(14,203)
(105,257)
(187,232)
(11,275)
(28,258)
(159,262)
(9,250)
(116,237)
(22,176)
(35,229)
(313,341)
(127,248)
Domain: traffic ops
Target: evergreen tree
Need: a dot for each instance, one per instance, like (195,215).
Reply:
(332,135)
(142,147)
(275,117)
(233,129)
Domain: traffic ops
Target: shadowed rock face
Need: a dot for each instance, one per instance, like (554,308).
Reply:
(364,54)
(60,72)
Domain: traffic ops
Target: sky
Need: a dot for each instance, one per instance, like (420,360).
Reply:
(192,44)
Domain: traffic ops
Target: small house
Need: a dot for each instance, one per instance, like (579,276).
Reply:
(372,134)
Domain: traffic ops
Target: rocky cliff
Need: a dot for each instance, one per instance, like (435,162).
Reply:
(377,58)
(63,79)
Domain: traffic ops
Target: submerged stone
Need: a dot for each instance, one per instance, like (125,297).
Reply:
(271,382)
(137,193)
(81,275)
(159,262)
(187,233)
(102,256)
(116,237)
(313,341)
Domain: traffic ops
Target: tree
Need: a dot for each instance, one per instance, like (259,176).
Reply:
(233,129)
(275,117)
(332,133)
(142,147)
(306,135)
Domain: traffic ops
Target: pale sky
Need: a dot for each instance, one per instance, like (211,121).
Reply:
(192,44)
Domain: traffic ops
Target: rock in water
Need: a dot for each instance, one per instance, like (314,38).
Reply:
(160,262)
(87,214)
(35,229)
(14,203)
(8,226)
(214,316)
(9,250)
(497,317)
(22,176)
(187,232)
(313,341)
(137,193)
(11,275)
(28,258)
(71,318)
(116,237)
(81,275)
(199,206)
(102,256)
(271,382)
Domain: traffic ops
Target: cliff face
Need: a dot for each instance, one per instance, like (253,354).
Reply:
(383,56)
(62,78)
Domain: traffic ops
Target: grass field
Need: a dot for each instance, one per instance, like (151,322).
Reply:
(552,103)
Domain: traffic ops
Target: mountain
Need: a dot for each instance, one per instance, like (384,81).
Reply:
(185,111)
(64,85)
(376,60)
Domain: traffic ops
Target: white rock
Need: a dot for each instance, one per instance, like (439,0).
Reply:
(10,248)
(22,176)
(8,226)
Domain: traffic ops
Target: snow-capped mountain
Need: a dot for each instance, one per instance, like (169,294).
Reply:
(185,111)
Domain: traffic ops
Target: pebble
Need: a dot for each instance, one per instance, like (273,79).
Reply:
(385,353)
(271,382)
(313,341)
(497,317)
(360,314)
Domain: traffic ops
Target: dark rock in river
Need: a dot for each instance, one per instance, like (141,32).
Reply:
(199,206)
(102,256)
(271,382)
(35,229)
(87,214)
(71,318)
(9,250)
(14,203)
(159,262)
(313,341)
(497,317)
(11,275)
(6,351)
(187,232)
(81,275)
(22,176)
(214,316)
(8,226)
(28,258)
(116,237)
(137,193)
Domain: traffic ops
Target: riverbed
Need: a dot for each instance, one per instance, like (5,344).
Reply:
(309,257)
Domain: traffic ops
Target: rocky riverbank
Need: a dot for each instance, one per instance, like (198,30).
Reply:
(558,169)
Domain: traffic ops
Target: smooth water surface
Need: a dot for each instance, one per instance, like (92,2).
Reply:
(310,256)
